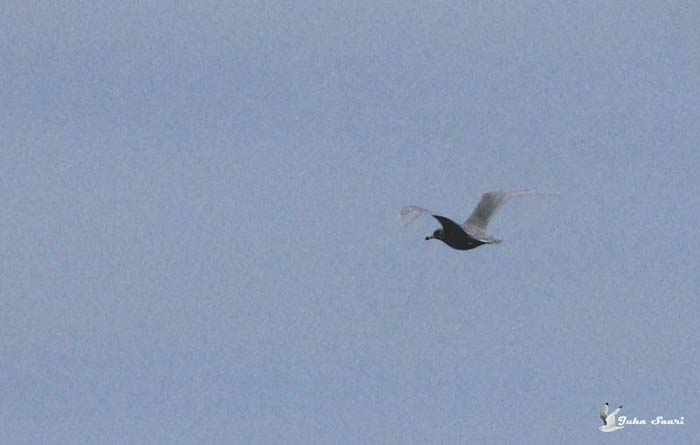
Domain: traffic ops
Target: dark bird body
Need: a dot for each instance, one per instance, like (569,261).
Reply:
(453,235)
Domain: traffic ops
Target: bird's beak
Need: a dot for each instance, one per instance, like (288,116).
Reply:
(428,237)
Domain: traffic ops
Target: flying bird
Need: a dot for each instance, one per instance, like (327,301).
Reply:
(472,233)
(609,419)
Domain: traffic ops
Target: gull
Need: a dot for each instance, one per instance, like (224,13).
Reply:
(609,419)
(472,233)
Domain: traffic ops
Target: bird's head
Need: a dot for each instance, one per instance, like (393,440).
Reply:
(436,235)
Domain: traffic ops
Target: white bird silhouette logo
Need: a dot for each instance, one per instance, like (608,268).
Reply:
(609,419)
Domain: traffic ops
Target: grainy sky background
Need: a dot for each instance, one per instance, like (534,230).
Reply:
(200,241)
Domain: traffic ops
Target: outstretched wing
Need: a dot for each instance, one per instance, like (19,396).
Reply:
(488,205)
(449,227)
(411,213)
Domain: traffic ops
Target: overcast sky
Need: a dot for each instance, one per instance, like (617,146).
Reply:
(200,238)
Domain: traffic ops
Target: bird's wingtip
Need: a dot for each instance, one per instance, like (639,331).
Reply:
(410,213)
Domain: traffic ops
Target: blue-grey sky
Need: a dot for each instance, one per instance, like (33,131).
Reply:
(200,240)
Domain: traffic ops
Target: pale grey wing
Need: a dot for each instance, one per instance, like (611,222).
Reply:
(610,420)
(604,413)
(488,205)
(411,213)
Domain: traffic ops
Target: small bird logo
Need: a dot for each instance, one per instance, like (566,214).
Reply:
(609,419)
